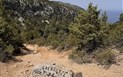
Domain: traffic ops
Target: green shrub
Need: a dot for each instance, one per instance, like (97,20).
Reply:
(105,57)
(10,49)
(121,17)
(80,57)
(55,44)
(121,49)
(39,41)
(5,51)
(102,56)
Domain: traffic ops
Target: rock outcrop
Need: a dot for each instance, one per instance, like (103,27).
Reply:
(53,70)
(42,17)
(42,8)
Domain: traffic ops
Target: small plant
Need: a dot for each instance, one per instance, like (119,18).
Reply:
(10,49)
(39,41)
(105,57)
(121,49)
(80,57)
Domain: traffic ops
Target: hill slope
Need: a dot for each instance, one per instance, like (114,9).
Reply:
(35,21)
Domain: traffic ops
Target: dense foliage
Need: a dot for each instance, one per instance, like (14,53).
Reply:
(60,27)
(90,29)
(95,36)
(40,22)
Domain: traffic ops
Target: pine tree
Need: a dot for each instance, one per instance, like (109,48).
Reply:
(121,17)
(91,29)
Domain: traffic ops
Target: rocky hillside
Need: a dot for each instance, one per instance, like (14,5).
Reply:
(41,11)
(36,21)
(43,17)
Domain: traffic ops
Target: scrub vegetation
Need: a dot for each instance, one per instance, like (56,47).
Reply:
(61,26)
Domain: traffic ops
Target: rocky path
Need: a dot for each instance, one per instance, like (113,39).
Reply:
(27,62)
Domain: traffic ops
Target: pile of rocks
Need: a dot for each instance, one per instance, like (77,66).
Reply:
(52,70)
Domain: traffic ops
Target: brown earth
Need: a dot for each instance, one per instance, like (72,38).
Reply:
(23,67)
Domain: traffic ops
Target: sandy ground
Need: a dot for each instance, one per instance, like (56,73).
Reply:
(27,62)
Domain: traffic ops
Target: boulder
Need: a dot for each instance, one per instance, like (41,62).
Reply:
(79,74)
(51,70)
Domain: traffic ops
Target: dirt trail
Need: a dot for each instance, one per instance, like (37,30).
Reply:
(22,68)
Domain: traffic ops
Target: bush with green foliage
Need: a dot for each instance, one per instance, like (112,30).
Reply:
(80,57)
(105,57)
(121,17)
(94,32)
(90,29)
(9,37)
